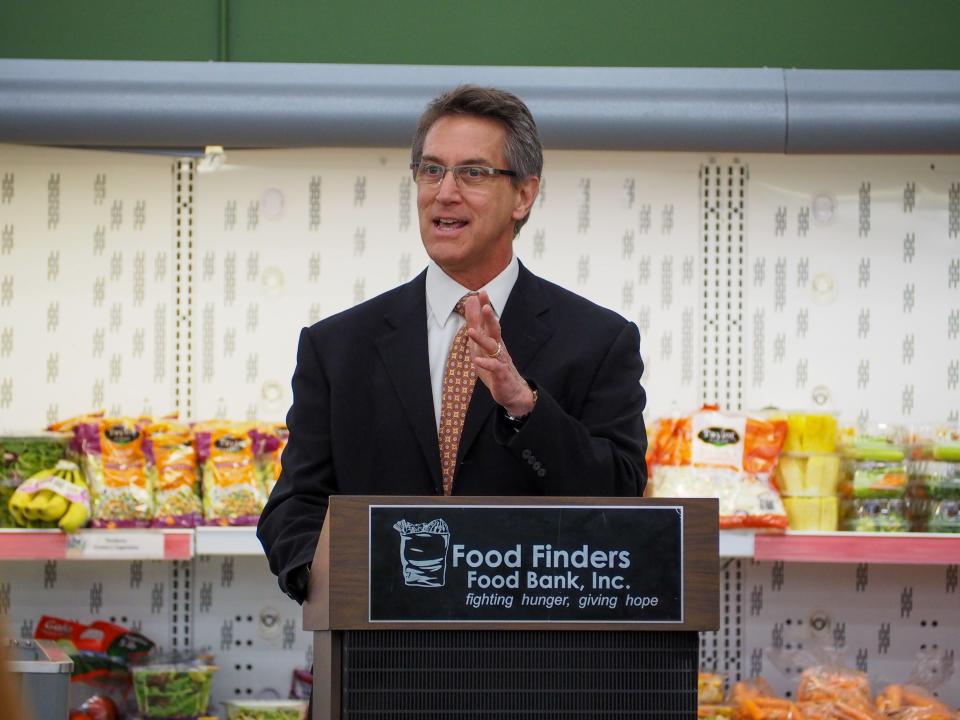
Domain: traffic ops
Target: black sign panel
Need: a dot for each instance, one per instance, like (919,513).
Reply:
(526,564)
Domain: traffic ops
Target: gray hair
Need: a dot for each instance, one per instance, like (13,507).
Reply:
(523,150)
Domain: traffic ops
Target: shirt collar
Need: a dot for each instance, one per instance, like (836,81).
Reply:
(443,292)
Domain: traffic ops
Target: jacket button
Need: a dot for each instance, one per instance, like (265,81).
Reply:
(537,465)
(542,472)
(526,454)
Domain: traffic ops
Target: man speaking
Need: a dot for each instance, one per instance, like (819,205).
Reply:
(476,377)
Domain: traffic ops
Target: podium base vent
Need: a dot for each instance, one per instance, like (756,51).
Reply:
(518,674)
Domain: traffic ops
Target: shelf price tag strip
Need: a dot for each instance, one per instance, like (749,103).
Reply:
(116,545)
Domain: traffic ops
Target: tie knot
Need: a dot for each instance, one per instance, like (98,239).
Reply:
(460,308)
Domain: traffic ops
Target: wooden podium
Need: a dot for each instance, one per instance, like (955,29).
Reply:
(470,607)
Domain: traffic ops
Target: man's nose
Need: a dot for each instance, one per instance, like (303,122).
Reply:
(449,189)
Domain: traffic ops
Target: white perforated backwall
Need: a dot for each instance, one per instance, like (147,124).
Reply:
(86,284)
(139,595)
(894,622)
(853,286)
(253,629)
(134,283)
(284,238)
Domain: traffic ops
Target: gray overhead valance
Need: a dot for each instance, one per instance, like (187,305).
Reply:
(193,104)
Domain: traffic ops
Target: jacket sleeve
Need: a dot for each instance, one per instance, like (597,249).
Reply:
(599,452)
(290,524)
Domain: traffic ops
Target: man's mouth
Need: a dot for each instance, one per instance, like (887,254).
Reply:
(448,223)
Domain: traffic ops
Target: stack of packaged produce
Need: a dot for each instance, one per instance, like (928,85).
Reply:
(809,471)
(138,472)
(934,479)
(801,470)
(103,655)
(721,454)
(836,693)
(873,485)
(120,674)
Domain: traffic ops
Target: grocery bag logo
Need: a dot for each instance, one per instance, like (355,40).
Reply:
(121,434)
(719,436)
(423,552)
(231,443)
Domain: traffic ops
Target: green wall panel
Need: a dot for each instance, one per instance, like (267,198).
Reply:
(110,29)
(882,34)
(680,33)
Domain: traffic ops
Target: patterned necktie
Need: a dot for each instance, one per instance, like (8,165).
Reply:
(459,378)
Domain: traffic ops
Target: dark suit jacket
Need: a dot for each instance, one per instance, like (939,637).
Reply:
(362,420)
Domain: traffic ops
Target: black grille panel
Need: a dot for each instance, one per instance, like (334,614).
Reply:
(518,674)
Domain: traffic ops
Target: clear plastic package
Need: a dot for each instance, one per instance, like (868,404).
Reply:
(808,474)
(874,515)
(172,690)
(266,709)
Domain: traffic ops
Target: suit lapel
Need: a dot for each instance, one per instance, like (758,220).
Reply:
(524,330)
(403,349)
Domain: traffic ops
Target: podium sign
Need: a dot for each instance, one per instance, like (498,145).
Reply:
(526,564)
(594,605)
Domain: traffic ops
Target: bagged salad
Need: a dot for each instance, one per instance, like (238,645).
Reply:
(170,452)
(232,493)
(726,455)
(269,442)
(117,470)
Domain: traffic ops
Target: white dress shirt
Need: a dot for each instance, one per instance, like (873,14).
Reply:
(443,294)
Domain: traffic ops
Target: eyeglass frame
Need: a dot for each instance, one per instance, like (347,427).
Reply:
(489,172)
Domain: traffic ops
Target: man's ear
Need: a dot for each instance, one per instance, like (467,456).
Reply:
(527,193)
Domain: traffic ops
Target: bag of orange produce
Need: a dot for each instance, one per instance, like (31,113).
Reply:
(169,449)
(727,455)
(232,494)
(912,702)
(755,700)
(836,692)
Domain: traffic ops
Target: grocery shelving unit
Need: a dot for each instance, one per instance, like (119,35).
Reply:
(186,544)
(147,283)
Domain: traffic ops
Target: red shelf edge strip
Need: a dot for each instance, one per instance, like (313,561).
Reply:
(878,549)
(29,546)
(177,546)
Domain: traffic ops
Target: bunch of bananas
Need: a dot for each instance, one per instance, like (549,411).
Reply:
(42,499)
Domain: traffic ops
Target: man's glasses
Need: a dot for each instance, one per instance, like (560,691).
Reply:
(428,173)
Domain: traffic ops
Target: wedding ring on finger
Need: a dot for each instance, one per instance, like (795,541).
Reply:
(496,354)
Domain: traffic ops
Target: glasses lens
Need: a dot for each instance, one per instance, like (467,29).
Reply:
(429,173)
(472,174)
